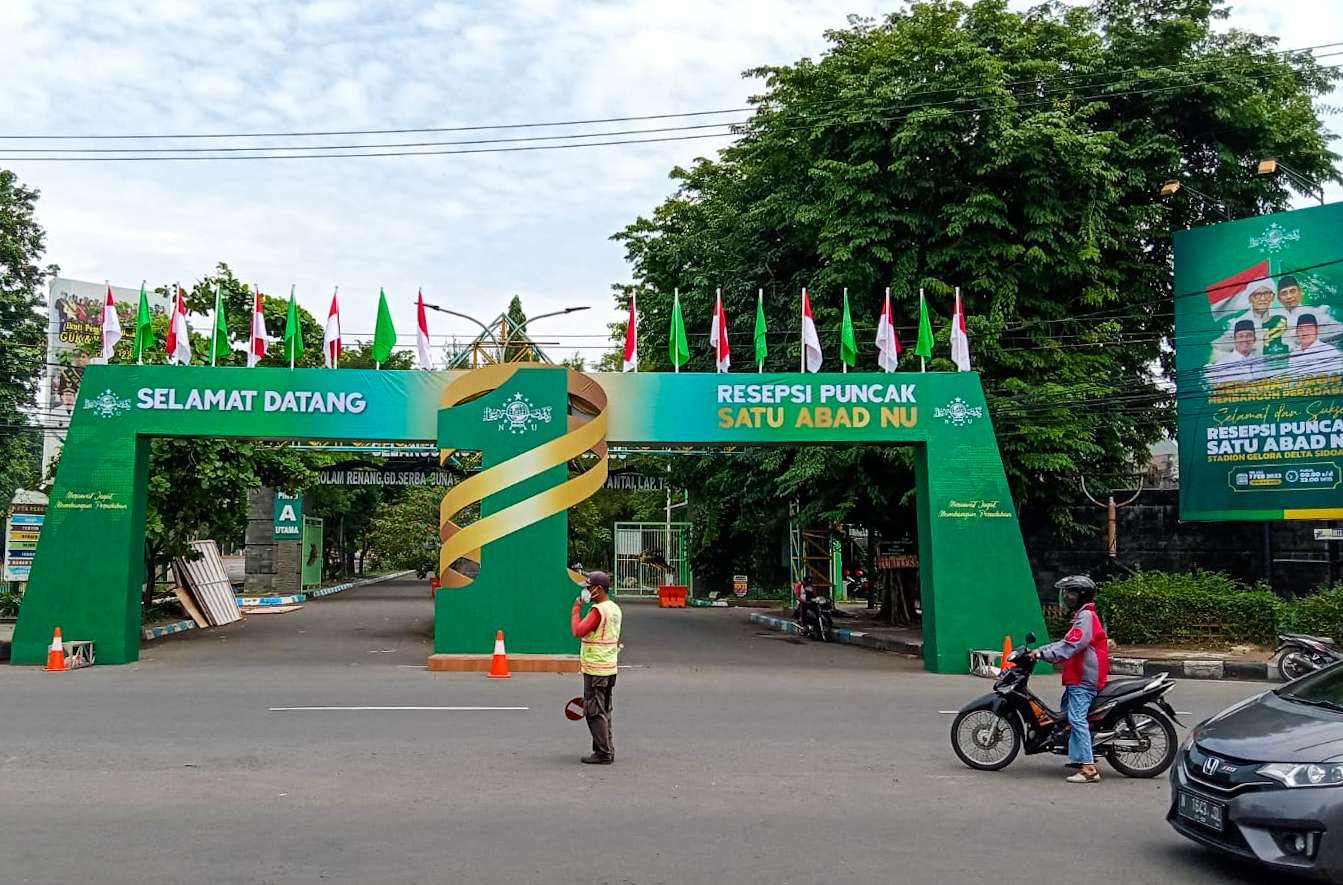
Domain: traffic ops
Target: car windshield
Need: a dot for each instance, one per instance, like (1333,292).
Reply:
(1322,689)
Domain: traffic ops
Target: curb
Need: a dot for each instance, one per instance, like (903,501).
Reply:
(167,629)
(845,636)
(1254,671)
(328,591)
(1179,669)
(270,600)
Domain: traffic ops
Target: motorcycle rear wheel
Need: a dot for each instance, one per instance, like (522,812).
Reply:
(985,740)
(1156,727)
(1294,664)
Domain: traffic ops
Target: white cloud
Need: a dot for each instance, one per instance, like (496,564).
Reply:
(473,229)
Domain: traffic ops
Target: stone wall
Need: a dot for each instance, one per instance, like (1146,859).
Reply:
(1152,537)
(273,567)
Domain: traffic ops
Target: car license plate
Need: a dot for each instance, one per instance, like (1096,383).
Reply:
(1202,811)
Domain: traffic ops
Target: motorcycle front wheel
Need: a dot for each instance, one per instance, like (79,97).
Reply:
(827,631)
(984,740)
(1149,745)
(1294,664)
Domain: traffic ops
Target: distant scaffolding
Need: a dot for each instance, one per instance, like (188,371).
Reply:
(504,342)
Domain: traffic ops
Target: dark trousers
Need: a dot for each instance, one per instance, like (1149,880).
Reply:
(597,706)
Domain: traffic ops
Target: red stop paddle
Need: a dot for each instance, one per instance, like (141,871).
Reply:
(574,709)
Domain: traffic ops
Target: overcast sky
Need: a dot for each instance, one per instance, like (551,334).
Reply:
(471,229)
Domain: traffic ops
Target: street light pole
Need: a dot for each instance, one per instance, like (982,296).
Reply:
(1272,165)
(487,329)
(554,313)
(1174,186)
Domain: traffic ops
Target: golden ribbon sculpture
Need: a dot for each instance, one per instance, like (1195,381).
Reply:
(587,433)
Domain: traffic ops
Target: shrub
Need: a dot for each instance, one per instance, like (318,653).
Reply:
(1320,614)
(1176,607)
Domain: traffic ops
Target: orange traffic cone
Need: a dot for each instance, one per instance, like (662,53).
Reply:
(56,654)
(499,665)
(1007,653)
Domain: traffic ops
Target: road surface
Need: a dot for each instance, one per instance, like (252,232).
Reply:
(743,757)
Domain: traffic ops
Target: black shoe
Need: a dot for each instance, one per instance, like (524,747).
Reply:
(594,759)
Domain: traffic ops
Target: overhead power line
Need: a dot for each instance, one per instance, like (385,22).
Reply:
(1033,81)
(572,140)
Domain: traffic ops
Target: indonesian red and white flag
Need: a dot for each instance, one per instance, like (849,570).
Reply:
(331,338)
(179,340)
(722,352)
(1230,297)
(111,325)
(888,342)
(631,363)
(256,347)
(811,342)
(960,342)
(422,335)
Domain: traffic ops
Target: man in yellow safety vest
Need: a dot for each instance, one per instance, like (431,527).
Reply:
(599,632)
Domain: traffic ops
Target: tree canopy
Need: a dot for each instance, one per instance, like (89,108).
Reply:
(1016,155)
(22,333)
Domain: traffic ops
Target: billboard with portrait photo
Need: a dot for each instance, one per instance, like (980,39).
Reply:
(1258,331)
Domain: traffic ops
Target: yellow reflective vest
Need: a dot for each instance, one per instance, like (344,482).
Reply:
(597,655)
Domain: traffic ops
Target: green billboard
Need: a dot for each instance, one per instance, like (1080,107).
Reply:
(1258,311)
(542,433)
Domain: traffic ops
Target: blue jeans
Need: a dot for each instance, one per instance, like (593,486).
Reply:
(1077,704)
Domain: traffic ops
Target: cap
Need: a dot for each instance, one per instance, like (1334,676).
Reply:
(599,579)
(1244,326)
(1288,282)
(1306,319)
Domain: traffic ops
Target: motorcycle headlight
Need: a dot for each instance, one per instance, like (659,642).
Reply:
(1302,774)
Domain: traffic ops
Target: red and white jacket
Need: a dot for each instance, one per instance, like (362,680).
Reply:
(1084,650)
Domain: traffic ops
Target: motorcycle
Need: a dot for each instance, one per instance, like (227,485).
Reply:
(1298,654)
(1132,725)
(818,619)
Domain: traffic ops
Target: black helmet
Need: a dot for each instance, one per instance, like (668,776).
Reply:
(1075,591)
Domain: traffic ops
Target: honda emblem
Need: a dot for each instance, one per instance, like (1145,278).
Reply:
(1211,765)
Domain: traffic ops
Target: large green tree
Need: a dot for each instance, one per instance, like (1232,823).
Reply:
(22,333)
(1017,155)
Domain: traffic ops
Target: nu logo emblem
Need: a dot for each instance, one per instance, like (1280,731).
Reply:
(505,530)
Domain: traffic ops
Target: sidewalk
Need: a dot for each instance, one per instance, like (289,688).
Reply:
(856,627)
(853,628)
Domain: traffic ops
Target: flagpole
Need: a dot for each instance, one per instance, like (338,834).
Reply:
(335,357)
(676,363)
(845,366)
(760,296)
(922,365)
(139,344)
(214,332)
(291,343)
(802,351)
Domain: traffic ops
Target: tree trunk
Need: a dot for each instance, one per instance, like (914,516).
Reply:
(147,591)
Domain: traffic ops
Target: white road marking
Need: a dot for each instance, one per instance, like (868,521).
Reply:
(383,709)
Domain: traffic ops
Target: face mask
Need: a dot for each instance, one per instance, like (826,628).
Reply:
(586,596)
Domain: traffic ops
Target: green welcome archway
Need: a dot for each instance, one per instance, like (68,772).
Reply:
(529,422)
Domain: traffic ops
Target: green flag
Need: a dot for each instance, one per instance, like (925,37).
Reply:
(677,349)
(848,344)
(144,327)
(293,335)
(219,343)
(384,334)
(761,351)
(924,347)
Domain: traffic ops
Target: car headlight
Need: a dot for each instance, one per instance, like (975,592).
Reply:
(1297,774)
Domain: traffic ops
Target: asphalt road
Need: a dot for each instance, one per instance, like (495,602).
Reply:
(743,757)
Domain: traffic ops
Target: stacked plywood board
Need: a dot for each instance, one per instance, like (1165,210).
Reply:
(206,580)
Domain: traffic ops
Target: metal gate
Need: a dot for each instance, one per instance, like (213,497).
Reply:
(650,554)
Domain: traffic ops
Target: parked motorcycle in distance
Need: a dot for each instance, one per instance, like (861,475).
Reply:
(1298,654)
(1132,725)
(818,619)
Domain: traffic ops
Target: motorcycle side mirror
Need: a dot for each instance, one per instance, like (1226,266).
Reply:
(1030,637)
